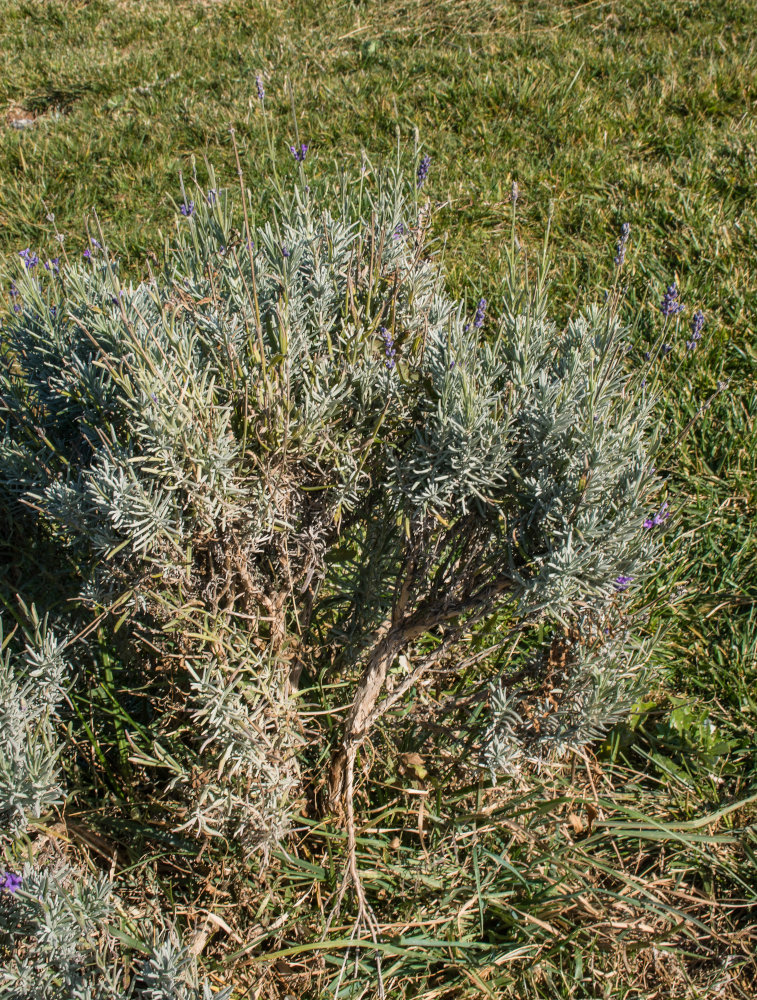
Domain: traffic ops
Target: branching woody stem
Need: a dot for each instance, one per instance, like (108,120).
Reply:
(391,640)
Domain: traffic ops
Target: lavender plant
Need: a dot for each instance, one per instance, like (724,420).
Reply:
(33,675)
(292,432)
(60,934)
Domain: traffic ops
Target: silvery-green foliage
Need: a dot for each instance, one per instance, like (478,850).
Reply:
(296,427)
(59,940)
(53,934)
(170,973)
(248,752)
(33,674)
(593,686)
(543,438)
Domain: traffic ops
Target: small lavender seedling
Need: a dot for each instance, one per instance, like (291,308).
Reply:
(61,936)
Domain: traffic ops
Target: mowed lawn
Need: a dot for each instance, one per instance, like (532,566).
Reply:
(637,111)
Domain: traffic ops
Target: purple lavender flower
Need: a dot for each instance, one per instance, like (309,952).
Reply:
(261,91)
(662,515)
(423,171)
(666,349)
(620,250)
(53,311)
(95,244)
(697,324)
(10,881)
(670,306)
(187,208)
(301,153)
(389,350)
(659,518)
(211,196)
(398,232)
(53,265)
(478,319)
(29,258)
(13,290)
(622,582)
(285,250)
(87,254)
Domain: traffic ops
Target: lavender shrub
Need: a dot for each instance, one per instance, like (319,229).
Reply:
(294,433)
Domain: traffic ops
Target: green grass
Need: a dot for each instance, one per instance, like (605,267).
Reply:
(636,110)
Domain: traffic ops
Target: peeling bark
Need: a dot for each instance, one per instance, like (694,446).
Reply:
(392,639)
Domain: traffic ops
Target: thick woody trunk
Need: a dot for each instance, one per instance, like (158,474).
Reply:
(391,639)
(372,681)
